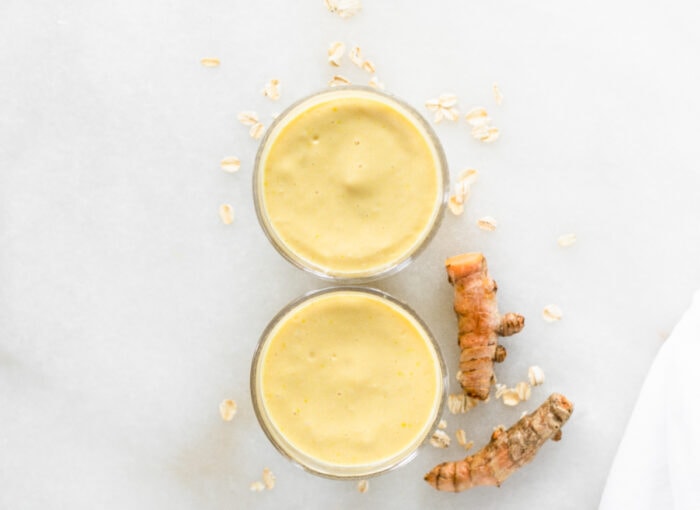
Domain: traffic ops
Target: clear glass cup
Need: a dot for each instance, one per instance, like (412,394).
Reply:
(316,464)
(383,268)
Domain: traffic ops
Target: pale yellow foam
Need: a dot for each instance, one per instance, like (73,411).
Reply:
(349,379)
(351,184)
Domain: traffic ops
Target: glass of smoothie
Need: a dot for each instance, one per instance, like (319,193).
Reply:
(350,184)
(347,382)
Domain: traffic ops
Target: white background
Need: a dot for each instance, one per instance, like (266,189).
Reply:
(128,311)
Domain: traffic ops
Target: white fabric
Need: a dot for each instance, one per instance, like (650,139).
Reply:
(658,461)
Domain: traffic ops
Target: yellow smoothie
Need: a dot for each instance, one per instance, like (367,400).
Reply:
(350,183)
(349,378)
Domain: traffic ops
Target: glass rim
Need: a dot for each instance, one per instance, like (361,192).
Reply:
(304,461)
(380,271)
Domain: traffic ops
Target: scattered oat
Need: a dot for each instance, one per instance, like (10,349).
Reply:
(257,486)
(338,80)
(468,176)
(500,389)
(524,391)
(461,436)
(535,375)
(497,94)
(226,214)
(487,223)
(510,397)
(228,407)
(355,56)
(374,82)
(248,118)
(231,164)
(368,66)
(447,100)
(440,439)
(272,89)
(257,130)
(478,117)
(335,53)
(455,205)
(485,133)
(444,107)
(462,191)
(268,479)
(450,114)
(344,8)
(552,313)
(442,425)
(566,240)
(459,403)
(363,486)
(432,105)
(462,439)
(210,62)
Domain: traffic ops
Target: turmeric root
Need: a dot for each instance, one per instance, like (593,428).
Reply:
(480,324)
(507,450)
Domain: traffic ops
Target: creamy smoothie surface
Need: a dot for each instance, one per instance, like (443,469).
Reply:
(349,379)
(351,184)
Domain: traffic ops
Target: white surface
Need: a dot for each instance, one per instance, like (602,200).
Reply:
(663,474)
(128,311)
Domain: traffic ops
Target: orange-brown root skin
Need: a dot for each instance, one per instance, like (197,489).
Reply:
(479,322)
(507,451)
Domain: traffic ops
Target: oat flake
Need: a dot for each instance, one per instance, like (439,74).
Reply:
(566,240)
(338,80)
(374,82)
(268,478)
(226,213)
(227,409)
(355,56)
(231,164)
(248,118)
(257,130)
(272,89)
(523,390)
(535,375)
(344,8)
(552,313)
(510,397)
(257,486)
(210,62)
(459,403)
(497,94)
(477,117)
(335,53)
(462,439)
(455,205)
(368,66)
(440,439)
(487,223)
(486,133)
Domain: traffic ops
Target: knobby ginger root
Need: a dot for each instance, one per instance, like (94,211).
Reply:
(480,324)
(507,450)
